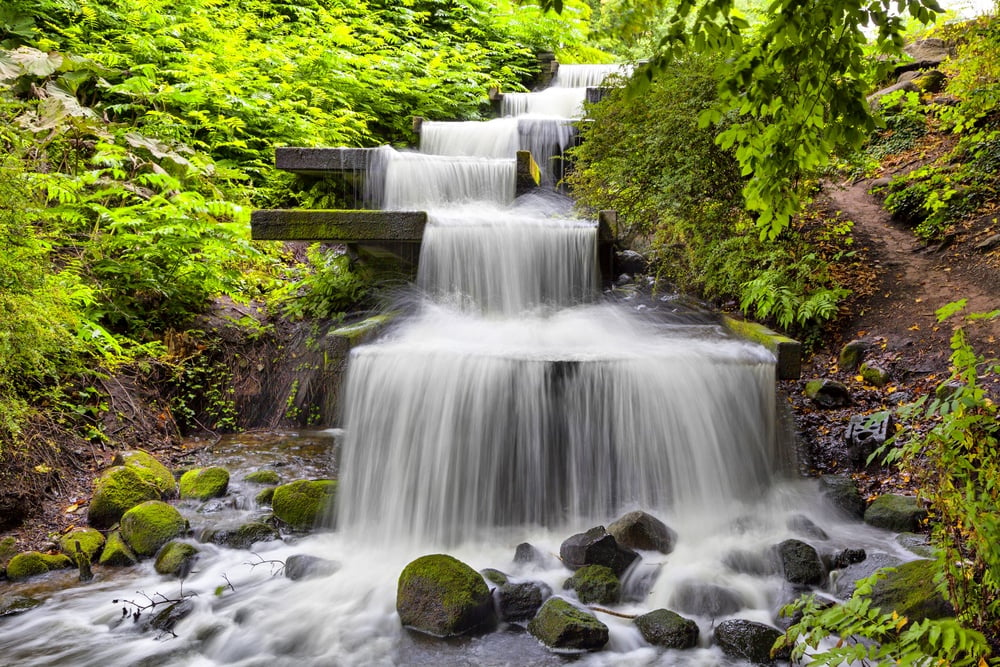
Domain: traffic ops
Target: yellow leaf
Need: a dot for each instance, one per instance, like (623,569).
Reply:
(915,327)
(42,468)
(917,300)
(901,622)
(72,508)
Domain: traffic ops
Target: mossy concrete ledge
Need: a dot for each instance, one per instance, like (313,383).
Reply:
(322,160)
(336,226)
(787,351)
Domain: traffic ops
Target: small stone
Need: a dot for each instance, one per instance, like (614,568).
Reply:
(116,552)
(303,566)
(33,563)
(842,493)
(243,537)
(667,629)
(852,354)
(521,601)
(493,576)
(266,496)
(90,540)
(874,375)
(847,557)
(527,553)
(803,525)
(827,393)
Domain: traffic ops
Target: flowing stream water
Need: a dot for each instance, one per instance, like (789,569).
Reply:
(513,404)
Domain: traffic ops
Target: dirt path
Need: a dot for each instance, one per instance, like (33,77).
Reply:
(912,282)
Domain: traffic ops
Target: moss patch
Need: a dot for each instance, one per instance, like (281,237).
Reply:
(175,558)
(263,477)
(117,490)
(442,596)
(33,563)
(561,626)
(911,592)
(90,539)
(204,483)
(595,584)
(150,525)
(116,553)
(302,504)
(149,469)
(266,496)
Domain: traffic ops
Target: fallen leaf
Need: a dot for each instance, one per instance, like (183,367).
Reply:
(915,327)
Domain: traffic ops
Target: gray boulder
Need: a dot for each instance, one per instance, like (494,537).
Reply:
(842,493)
(563,627)
(303,566)
(639,530)
(750,641)
(520,602)
(442,596)
(845,580)
(910,591)
(242,537)
(800,563)
(596,547)
(827,393)
(900,514)
(667,629)
(695,597)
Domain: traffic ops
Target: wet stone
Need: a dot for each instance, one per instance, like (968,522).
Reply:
(304,566)
(668,629)
(520,602)
(527,553)
(842,493)
(703,599)
(639,530)
(596,547)
(801,563)
(847,557)
(748,640)
(803,525)
(828,393)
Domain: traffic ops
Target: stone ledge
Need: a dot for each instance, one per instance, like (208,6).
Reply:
(337,226)
(787,351)
(322,160)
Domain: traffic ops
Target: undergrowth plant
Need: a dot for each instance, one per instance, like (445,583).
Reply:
(957,467)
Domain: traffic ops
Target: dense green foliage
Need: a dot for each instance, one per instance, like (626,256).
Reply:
(139,134)
(648,157)
(867,635)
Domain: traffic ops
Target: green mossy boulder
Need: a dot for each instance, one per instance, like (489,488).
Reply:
(910,591)
(852,354)
(827,393)
(150,525)
(149,469)
(33,563)
(204,483)
(91,541)
(665,628)
(17,605)
(8,549)
(303,503)
(268,477)
(900,514)
(494,576)
(176,559)
(116,553)
(266,496)
(116,491)
(595,584)
(842,493)
(563,627)
(441,596)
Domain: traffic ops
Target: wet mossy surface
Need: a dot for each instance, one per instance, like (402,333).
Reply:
(204,483)
(302,504)
(442,596)
(150,525)
(116,491)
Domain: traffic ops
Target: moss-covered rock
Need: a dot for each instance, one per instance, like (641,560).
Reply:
(176,558)
(901,514)
(827,393)
(494,576)
(304,566)
(595,584)
(596,547)
(442,596)
(17,605)
(852,354)
(563,627)
(90,539)
(800,563)
(911,592)
(8,549)
(204,483)
(33,563)
(665,628)
(149,525)
(520,601)
(116,552)
(842,493)
(149,469)
(268,477)
(242,537)
(266,496)
(303,503)
(116,491)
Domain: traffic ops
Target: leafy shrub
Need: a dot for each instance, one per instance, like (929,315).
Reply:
(957,469)
(328,288)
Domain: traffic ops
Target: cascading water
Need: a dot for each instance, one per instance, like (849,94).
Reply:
(511,406)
